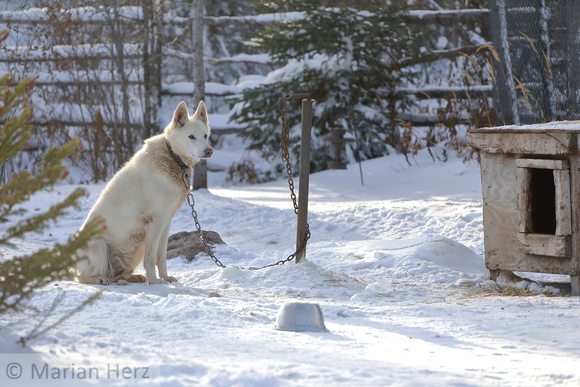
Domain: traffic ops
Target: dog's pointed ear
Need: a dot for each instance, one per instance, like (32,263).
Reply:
(181,114)
(201,112)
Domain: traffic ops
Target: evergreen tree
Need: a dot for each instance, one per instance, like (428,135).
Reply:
(346,57)
(21,276)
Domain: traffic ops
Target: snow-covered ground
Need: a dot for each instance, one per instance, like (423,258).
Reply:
(396,266)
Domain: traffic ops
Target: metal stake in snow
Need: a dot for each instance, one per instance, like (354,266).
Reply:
(304,180)
(300,208)
(303,231)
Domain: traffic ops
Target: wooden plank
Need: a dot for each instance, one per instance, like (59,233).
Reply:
(500,212)
(542,164)
(533,264)
(559,246)
(548,127)
(523,193)
(446,17)
(431,92)
(575,282)
(533,143)
(95,16)
(563,202)
(136,125)
(575,206)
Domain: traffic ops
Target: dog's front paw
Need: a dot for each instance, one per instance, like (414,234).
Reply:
(170,279)
(156,281)
(138,279)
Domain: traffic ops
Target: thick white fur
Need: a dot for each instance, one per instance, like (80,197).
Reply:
(139,202)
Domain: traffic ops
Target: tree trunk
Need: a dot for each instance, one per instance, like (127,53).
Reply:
(126,138)
(147,66)
(200,170)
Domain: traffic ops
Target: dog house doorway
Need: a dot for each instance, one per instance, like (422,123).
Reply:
(544,207)
(542,199)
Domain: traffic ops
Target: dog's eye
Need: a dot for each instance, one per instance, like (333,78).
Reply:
(192,136)
(205,136)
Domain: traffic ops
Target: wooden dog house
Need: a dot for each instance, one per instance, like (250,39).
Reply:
(531,198)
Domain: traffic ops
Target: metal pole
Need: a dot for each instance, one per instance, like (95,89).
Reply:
(508,59)
(358,153)
(303,180)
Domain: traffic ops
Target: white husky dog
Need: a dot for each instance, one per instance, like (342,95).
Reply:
(139,202)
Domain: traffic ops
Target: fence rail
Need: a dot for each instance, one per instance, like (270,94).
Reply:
(134,14)
(120,125)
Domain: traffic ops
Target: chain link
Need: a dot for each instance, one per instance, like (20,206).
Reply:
(285,144)
(191,203)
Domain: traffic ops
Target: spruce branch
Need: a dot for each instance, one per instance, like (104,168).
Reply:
(39,223)
(21,276)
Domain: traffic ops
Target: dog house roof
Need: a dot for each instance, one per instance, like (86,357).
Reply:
(557,126)
(552,138)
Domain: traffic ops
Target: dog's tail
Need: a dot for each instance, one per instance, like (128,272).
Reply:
(95,262)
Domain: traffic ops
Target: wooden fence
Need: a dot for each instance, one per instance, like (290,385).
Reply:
(135,69)
(132,15)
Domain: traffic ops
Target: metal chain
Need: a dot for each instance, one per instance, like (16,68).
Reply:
(285,143)
(191,203)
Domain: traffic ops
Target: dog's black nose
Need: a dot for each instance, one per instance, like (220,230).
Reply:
(208,152)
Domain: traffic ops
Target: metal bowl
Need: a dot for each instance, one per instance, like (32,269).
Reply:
(300,317)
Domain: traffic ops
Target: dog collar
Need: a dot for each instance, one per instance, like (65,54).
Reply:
(176,158)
